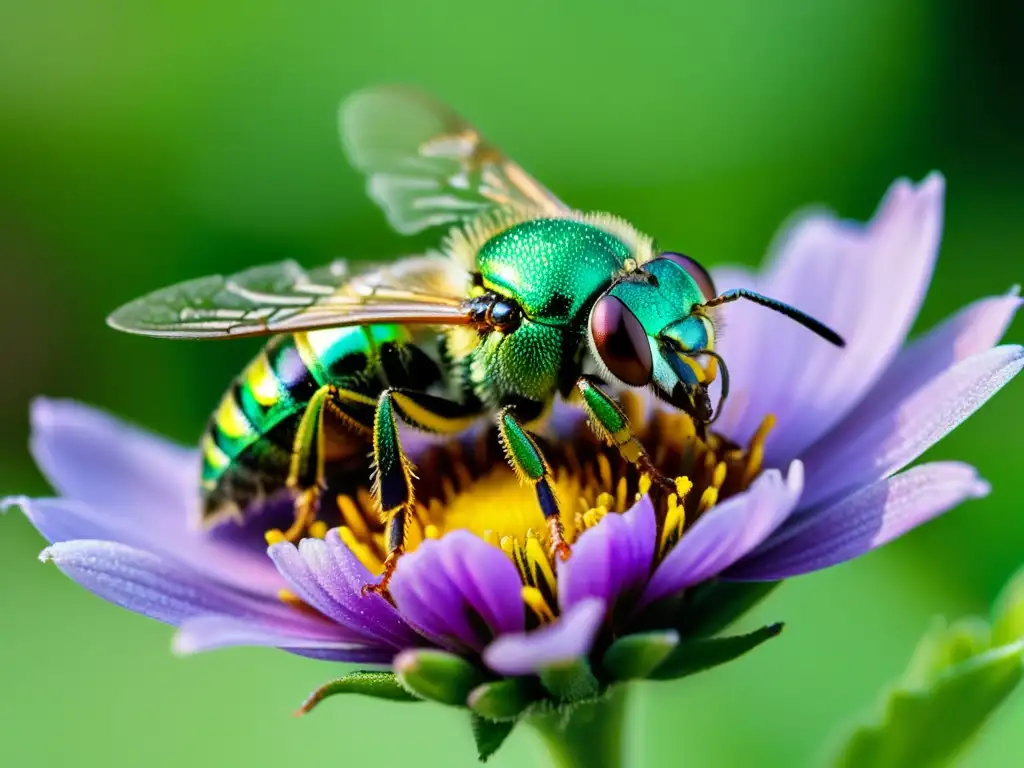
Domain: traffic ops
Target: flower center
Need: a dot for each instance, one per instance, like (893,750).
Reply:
(471,487)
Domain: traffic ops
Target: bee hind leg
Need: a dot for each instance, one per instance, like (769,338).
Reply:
(306,474)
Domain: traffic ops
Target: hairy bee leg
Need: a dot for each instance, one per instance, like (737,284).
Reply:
(306,475)
(609,422)
(393,486)
(531,467)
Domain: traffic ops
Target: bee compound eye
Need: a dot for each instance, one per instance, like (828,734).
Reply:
(621,341)
(695,270)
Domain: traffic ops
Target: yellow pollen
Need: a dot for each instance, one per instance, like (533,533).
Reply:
(431,532)
(274,537)
(318,529)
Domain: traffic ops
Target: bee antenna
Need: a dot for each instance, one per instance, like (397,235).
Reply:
(793,313)
(725,379)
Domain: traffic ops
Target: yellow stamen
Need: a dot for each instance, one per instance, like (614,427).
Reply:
(539,566)
(469,487)
(535,601)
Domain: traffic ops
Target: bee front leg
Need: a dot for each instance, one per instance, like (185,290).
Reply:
(306,474)
(531,467)
(393,485)
(608,420)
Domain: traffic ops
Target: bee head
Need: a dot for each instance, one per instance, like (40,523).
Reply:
(650,329)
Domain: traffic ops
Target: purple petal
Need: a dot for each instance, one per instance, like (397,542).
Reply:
(727,533)
(562,642)
(898,431)
(123,484)
(441,586)
(866,282)
(61,520)
(611,559)
(144,583)
(212,632)
(862,521)
(327,576)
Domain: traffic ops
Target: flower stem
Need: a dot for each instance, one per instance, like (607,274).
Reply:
(589,735)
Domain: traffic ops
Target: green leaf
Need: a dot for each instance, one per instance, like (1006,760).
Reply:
(437,675)
(504,699)
(958,675)
(634,657)
(713,606)
(569,682)
(923,726)
(489,735)
(1008,622)
(693,656)
(381,685)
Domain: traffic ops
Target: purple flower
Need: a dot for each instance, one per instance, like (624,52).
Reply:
(805,470)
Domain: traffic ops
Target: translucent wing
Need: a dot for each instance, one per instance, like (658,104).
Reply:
(283,297)
(426,166)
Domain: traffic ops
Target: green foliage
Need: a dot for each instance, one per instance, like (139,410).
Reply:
(437,675)
(959,674)
(489,735)
(504,699)
(570,682)
(634,657)
(695,656)
(378,685)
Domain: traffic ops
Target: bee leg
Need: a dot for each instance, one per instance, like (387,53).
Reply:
(393,484)
(608,420)
(531,467)
(306,475)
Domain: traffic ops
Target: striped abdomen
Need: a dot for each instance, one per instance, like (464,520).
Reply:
(248,443)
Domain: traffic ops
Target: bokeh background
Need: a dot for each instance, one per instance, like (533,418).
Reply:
(144,143)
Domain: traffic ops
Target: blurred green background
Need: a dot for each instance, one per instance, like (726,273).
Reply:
(143,143)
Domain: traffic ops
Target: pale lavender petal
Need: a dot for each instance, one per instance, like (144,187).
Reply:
(147,584)
(899,431)
(563,642)
(612,560)
(726,533)
(318,574)
(92,457)
(866,282)
(974,329)
(441,586)
(864,520)
(123,484)
(212,632)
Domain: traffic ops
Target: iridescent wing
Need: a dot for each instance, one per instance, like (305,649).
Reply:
(426,166)
(284,298)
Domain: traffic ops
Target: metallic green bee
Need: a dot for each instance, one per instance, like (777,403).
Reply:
(526,300)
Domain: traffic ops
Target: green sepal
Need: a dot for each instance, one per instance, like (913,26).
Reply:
(692,656)
(380,685)
(437,675)
(504,699)
(569,682)
(927,725)
(634,657)
(712,606)
(489,735)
